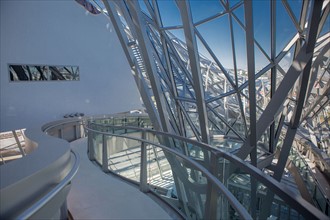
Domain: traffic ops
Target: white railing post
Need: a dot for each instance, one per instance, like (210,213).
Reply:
(105,166)
(143,166)
(211,192)
(76,131)
(60,132)
(91,152)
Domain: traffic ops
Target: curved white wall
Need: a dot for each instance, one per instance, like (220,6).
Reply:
(61,33)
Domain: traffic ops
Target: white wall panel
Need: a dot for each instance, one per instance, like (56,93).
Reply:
(61,33)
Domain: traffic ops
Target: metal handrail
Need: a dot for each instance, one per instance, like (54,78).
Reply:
(199,144)
(74,120)
(35,207)
(231,198)
(51,194)
(316,182)
(281,190)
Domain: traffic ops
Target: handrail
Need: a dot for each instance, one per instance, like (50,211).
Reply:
(52,172)
(231,198)
(47,127)
(199,144)
(302,140)
(51,194)
(296,201)
(315,180)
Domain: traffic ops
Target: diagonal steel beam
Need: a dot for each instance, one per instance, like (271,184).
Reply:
(316,102)
(292,16)
(216,60)
(251,78)
(235,69)
(168,63)
(225,122)
(252,141)
(302,22)
(271,111)
(308,48)
(175,56)
(145,49)
(273,69)
(189,32)
(140,82)
(324,17)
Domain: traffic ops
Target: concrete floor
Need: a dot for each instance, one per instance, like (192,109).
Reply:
(96,195)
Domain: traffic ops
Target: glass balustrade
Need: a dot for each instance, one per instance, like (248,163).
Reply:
(244,187)
(198,180)
(318,196)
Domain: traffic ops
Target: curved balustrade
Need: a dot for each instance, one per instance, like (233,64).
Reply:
(200,181)
(314,154)
(319,196)
(36,186)
(67,129)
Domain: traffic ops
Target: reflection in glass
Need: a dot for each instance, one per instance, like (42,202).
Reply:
(43,73)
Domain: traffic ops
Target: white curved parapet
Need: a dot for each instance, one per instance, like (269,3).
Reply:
(37,185)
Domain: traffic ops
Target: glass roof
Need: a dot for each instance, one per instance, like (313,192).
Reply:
(220,77)
(254,73)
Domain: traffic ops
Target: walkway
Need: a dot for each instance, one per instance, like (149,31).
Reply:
(96,195)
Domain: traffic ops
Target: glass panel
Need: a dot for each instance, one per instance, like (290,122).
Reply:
(202,9)
(154,37)
(233,2)
(231,112)
(261,60)
(183,86)
(325,28)
(144,7)
(285,29)
(246,109)
(217,34)
(240,183)
(191,110)
(97,146)
(240,51)
(263,145)
(187,186)
(188,130)
(261,24)
(225,143)
(178,38)
(125,156)
(160,176)
(214,80)
(279,77)
(286,61)
(216,125)
(309,179)
(239,14)
(296,7)
(263,84)
(169,13)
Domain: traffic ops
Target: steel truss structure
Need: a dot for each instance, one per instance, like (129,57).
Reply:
(188,90)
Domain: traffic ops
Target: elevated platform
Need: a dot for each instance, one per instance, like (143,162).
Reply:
(97,195)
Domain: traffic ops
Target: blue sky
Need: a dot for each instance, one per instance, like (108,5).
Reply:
(217,32)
